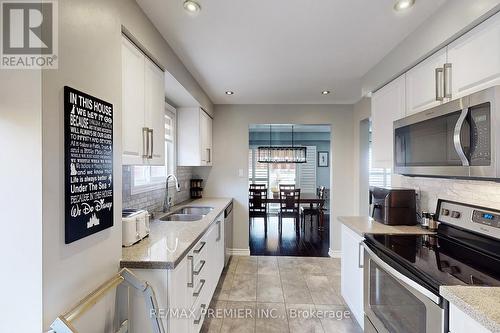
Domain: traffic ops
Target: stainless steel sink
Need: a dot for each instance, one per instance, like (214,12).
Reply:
(182,217)
(194,210)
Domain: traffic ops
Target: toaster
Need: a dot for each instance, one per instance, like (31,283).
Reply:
(135,226)
(393,205)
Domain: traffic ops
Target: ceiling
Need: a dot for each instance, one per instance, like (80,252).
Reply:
(284,51)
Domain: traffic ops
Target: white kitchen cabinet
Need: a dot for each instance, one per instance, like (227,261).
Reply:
(460,322)
(425,87)
(475,59)
(190,286)
(388,105)
(194,137)
(143,115)
(351,279)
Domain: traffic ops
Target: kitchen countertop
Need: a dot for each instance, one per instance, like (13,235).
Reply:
(170,241)
(366,225)
(480,303)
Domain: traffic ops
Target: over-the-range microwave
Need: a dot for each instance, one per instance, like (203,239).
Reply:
(458,139)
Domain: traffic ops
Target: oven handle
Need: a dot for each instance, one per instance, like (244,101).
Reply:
(457,141)
(400,277)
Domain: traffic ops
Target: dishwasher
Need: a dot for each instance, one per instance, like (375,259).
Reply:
(228,233)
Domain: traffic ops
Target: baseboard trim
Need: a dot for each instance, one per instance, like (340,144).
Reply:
(334,254)
(239,252)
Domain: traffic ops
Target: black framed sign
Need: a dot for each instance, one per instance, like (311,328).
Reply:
(88,164)
(322,159)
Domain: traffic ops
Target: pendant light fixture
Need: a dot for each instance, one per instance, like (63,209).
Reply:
(281,154)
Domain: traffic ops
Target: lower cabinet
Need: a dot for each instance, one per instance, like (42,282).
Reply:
(351,279)
(460,322)
(185,292)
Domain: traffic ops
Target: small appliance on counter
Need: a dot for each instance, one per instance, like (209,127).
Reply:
(135,226)
(393,206)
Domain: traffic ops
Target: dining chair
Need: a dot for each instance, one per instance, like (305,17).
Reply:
(287,187)
(289,207)
(257,205)
(317,210)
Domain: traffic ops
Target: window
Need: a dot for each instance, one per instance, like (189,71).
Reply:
(147,178)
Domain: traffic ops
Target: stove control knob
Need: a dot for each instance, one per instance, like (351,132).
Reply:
(445,212)
(455,214)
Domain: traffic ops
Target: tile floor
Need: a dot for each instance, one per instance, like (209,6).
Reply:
(280,294)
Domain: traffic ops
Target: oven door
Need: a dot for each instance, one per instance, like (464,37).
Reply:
(396,304)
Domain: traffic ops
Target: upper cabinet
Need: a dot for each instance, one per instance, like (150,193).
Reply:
(194,137)
(475,58)
(388,105)
(425,83)
(143,115)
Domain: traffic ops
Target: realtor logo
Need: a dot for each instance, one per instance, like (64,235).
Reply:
(29,34)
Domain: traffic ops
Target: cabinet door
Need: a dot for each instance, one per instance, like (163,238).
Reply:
(460,322)
(132,104)
(388,105)
(189,151)
(179,296)
(421,83)
(206,138)
(351,279)
(155,111)
(475,58)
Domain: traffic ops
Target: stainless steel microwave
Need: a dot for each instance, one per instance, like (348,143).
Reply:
(458,139)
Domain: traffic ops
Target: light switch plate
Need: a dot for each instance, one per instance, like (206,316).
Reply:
(241,173)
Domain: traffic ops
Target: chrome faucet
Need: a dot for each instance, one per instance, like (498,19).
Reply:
(168,201)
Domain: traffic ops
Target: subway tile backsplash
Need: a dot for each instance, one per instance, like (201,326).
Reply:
(481,193)
(153,200)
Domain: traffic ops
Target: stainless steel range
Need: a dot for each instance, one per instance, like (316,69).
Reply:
(403,273)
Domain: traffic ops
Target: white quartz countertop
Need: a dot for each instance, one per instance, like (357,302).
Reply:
(170,241)
(366,225)
(480,303)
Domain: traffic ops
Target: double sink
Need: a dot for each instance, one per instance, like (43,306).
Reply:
(187,214)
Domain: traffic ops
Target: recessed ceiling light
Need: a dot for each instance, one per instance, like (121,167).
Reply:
(192,6)
(403,4)
(325,92)
(229,92)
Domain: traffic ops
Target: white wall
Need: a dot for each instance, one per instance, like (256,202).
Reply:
(450,21)
(89,60)
(21,200)
(230,137)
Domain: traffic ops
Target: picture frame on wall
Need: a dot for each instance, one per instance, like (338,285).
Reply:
(323,159)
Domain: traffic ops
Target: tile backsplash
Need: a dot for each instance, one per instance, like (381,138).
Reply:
(153,200)
(481,193)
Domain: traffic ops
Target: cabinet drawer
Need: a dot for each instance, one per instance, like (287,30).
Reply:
(197,270)
(199,309)
(460,322)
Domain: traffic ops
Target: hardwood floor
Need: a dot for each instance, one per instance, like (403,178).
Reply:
(309,243)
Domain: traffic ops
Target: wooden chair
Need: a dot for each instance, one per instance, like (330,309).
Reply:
(289,207)
(257,206)
(287,187)
(317,210)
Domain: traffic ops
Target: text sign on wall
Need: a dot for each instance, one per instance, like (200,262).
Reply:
(88,154)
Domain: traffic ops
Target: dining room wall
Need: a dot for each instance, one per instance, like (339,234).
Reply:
(229,175)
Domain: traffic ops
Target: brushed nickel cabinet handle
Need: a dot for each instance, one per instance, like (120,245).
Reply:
(198,271)
(151,135)
(199,247)
(439,84)
(447,80)
(360,249)
(191,272)
(198,320)
(145,142)
(200,287)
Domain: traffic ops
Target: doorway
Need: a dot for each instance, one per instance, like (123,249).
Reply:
(272,232)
